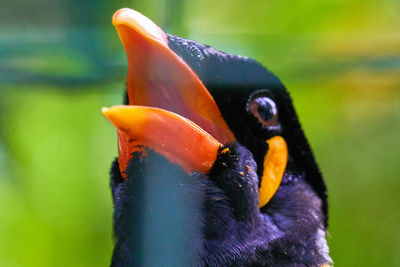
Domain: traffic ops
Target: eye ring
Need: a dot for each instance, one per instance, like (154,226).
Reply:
(262,107)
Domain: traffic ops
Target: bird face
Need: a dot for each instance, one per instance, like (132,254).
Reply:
(223,130)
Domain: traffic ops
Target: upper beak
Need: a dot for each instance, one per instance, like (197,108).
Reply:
(157,77)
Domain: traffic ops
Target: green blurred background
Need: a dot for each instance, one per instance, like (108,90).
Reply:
(61,61)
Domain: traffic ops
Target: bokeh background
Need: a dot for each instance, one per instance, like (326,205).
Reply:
(61,61)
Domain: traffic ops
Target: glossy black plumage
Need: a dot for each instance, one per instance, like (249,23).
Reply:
(226,227)
(231,79)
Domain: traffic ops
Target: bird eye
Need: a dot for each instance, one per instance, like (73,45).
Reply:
(264,109)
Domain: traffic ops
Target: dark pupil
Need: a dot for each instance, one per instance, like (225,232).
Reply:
(265,109)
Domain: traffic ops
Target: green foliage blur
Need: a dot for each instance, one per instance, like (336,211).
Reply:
(61,61)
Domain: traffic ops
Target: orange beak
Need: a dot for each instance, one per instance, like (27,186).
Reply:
(158,78)
(167,133)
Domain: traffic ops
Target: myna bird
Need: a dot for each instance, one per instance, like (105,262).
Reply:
(217,136)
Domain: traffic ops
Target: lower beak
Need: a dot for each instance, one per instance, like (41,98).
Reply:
(167,133)
(158,78)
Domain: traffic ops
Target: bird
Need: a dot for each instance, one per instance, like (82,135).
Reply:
(210,153)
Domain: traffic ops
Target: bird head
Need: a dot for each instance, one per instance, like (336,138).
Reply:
(223,130)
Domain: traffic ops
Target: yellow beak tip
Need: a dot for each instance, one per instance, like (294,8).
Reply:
(140,23)
(106,112)
(116,17)
(112,114)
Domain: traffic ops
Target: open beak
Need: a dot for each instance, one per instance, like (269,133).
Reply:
(171,111)
(158,78)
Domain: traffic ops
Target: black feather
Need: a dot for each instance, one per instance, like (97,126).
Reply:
(221,230)
(215,217)
(231,79)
